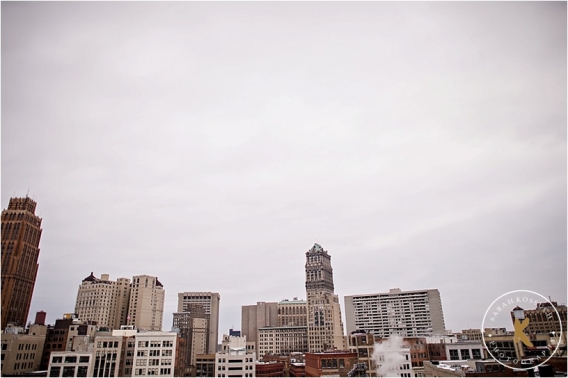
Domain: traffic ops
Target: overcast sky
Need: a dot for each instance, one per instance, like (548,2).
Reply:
(211,144)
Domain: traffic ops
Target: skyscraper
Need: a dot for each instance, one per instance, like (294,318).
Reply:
(210,302)
(103,300)
(21,232)
(325,327)
(146,307)
(413,313)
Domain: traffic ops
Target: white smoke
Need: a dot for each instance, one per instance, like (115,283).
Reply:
(389,356)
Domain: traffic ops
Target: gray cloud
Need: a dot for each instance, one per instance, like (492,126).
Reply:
(211,144)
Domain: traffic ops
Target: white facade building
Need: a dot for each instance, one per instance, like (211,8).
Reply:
(414,313)
(154,354)
(70,364)
(234,360)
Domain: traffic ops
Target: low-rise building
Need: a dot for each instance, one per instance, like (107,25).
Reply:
(205,365)
(269,369)
(70,364)
(154,353)
(335,363)
(233,360)
(22,352)
(282,340)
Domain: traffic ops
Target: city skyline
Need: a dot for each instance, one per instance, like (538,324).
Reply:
(212,144)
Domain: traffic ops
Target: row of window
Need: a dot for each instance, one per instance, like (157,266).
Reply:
(153,353)
(25,356)
(68,371)
(153,371)
(155,344)
(153,362)
(70,359)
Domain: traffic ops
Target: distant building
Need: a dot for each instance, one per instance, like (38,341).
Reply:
(544,319)
(254,317)
(337,364)
(205,365)
(404,313)
(292,313)
(325,326)
(210,302)
(192,326)
(21,352)
(64,335)
(362,344)
(154,354)
(107,354)
(282,340)
(269,369)
(146,305)
(233,360)
(70,364)
(21,233)
(103,301)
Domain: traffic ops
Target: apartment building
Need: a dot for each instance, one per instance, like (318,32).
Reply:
(404,313)
(146,305)
(103,301)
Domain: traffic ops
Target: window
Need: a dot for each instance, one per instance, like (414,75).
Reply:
(142,353)
(141,362)
(54,371)
(454,354)
(82,371)
(84,359)
(168,361)
(465,354)
(155,352)
(142,344)
(168,344)
(56,360)
(153,371)
(68,371)
(154,362)
(70,360)
(165,371)
(4,346)
(476,354)
(167,352)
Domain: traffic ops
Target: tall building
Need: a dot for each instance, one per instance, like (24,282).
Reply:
(325,327)
(254,317)
(192,326)
(103,301)
(405,313)
(146,306)
(292,313)
(21,232)
(210,302)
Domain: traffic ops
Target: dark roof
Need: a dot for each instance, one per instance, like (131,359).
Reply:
(158,283)
(90,278)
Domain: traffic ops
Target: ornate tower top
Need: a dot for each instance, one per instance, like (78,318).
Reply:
(319,274)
